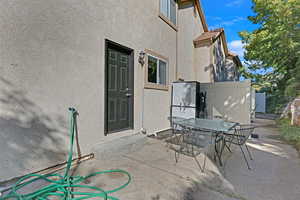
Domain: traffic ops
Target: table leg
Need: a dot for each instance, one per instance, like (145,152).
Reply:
(180,143)
(223,146)
(218,153)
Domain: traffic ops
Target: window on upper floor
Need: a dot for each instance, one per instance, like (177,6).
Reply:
(168,9)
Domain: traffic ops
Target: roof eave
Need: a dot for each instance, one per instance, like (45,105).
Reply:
(201,14)
(200,43)
(235,58)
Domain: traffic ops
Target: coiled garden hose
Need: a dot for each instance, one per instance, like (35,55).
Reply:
(64,186)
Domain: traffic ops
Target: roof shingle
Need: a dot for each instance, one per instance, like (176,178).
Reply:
(208,36)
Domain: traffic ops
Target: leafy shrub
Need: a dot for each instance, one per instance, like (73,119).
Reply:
(289,133)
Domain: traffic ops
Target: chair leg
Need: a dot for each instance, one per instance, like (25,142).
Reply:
(223,145)
(176,156)
(177,152)
(228,148)
(218,151)
(178,137)
(204,162)
(215,151)
(245,157)
(251,158)
(215,157)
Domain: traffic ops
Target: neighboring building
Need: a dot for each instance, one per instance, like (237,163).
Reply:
(220,64)
(113,60)
(233,63)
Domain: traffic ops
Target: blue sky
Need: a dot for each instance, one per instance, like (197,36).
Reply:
(232,16)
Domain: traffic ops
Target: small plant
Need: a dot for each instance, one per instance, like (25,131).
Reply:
(290,133)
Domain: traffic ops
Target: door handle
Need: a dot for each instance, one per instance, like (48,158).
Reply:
(128,95)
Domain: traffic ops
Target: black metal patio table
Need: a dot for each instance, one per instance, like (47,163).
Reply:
(216,127)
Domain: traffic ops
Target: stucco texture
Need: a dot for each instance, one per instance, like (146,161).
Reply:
(190,27)
(229,100)
(52,57)
(203,64)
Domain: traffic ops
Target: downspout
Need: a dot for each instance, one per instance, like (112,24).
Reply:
(176,60)
(143,130)
(142,60)
(212,67)
(176,69)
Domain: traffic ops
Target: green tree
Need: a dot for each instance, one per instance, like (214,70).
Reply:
(274,46)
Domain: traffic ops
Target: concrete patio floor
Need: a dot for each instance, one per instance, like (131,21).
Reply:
(156,175)
(275,173)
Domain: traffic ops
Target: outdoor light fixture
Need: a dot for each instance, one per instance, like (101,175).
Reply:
(142,57)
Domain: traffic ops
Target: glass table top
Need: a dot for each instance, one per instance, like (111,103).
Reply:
(217,125)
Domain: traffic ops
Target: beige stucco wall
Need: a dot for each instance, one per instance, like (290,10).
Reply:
(202,64)
(190,27)
(231,100)
(206,58)
(52,57)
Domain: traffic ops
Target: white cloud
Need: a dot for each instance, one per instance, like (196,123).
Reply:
(236,46)
(234,3)
(234,20)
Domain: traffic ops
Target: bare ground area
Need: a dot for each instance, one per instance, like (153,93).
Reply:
(275,173)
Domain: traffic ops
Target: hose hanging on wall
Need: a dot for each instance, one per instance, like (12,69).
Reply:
(64,186)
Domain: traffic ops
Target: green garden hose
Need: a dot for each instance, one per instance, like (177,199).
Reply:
(65,187)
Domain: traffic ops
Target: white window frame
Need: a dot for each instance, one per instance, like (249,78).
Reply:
(158,69)
(157,85)
(168,18)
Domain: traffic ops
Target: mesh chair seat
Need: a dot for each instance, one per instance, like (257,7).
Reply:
(190,143)
(239,137)
(199,139)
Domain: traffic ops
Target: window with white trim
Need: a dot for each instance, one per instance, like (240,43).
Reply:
(168,9)
(157,70)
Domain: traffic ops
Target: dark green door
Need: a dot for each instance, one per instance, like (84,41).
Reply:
(119,90)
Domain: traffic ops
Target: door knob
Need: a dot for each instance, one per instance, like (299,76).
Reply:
(128,94)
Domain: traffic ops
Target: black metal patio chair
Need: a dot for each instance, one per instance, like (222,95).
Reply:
(239,137)
(176,130)
(190,142)
(195,143)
